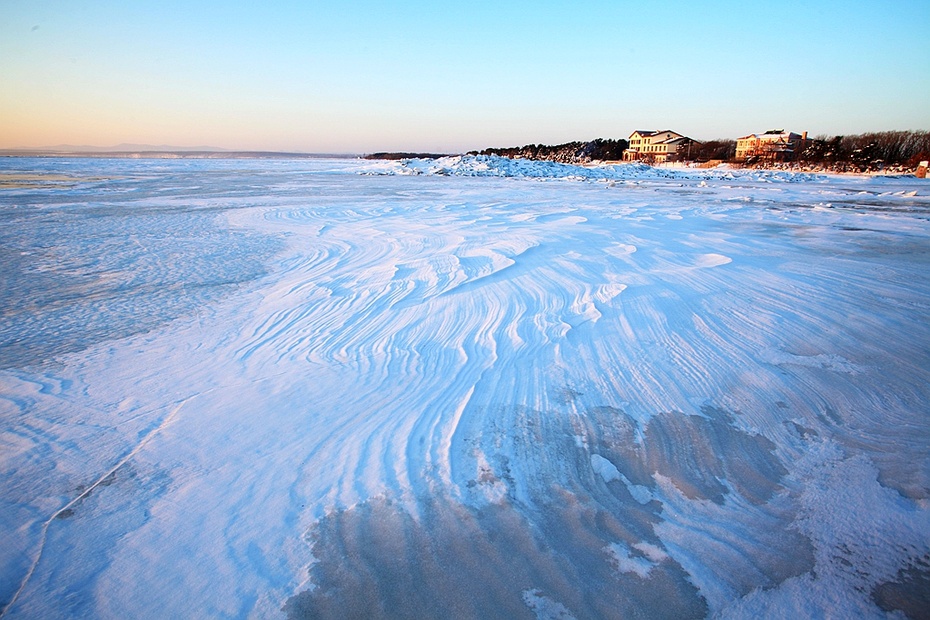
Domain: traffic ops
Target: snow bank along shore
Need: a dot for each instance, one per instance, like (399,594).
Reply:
(461,387)
(495,166)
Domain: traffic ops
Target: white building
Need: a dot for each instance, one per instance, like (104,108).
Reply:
(775,145)
(657,146)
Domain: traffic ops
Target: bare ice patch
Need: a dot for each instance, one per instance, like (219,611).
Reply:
(542,524)
(377,561)
(863,534)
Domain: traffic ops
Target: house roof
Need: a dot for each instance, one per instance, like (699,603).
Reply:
(677,140)
(772,134)
(647,133)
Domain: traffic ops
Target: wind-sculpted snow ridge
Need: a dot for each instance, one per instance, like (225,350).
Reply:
(432,395)
(496,166)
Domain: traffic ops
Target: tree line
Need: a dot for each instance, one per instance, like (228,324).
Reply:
(568,153)
(869,150)
(862,152)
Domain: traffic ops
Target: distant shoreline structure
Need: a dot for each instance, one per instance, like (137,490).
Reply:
(896,152)
(887,151)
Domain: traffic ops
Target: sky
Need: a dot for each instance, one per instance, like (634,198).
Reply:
(364,76)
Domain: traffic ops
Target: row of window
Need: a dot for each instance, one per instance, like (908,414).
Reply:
(643,141)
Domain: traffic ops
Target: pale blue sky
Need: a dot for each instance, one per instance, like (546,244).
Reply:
(364,76)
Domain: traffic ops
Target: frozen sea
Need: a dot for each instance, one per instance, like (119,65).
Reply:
(464,388)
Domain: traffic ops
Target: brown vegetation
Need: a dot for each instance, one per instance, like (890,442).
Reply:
(868,151)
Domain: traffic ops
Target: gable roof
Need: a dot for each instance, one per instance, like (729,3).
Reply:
(772,134)
(678,140)
(648,133)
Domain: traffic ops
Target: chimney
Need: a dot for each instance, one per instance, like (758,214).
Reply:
(804,136)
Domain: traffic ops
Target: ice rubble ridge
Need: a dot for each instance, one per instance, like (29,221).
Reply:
(497,166)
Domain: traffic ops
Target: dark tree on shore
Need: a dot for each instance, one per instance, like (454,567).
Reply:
(868,151)
(721,149)
(568,153)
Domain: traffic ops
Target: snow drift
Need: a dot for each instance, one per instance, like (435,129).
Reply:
(336,388)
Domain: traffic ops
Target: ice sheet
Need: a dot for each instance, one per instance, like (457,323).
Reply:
(461,387)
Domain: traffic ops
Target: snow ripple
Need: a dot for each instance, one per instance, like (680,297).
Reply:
(452,396)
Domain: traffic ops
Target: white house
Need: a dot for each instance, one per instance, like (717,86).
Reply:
(775,144)
(657,146)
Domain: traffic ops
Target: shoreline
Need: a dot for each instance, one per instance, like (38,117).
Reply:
(272,155)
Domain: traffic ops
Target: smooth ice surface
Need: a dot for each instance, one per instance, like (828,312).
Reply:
(460,388)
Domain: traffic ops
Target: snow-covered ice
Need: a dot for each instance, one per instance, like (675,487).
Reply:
(462,387)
